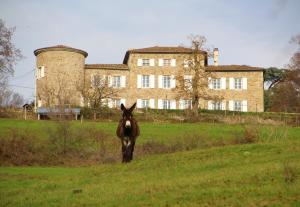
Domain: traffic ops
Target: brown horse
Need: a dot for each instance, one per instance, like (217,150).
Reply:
(128,130)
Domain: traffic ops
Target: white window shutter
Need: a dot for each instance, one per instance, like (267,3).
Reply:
(110,103)
(244,106)
(109,80)
(160,81)
(104,101)
(81,103)
(185,63)
(188,81)
(160,62)
(92,80)
(173,62)
(230,105)
(42,71)
(152,62)
(210,83)
(139,62)
(139,81)
(123,81)
(152,81)
(122,101)
(173,81)
(223,105)
(244,83)
(160,104)
(152,103)
(223,83)
(139,103)
(181,104)
(173,104)
(209,105)
(231,83)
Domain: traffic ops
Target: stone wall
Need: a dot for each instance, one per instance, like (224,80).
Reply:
(64,71)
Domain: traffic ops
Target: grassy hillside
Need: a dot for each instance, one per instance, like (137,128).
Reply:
(241,175)
(264,173)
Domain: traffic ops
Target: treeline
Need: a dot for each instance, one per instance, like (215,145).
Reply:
(283,85)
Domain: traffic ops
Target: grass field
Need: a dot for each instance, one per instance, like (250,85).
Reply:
(266,173)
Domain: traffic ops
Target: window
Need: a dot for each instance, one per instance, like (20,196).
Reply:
(216,83)
(145,81)
(40,72)
(237,106)
(145,62)
(238,83)
(166,80)
(145,103)
(166,104)
(187,63)
(186,104)
(116,81)
(166,62)
(97,81)
(188,81)
(116,103)
(217,105)
(39,103)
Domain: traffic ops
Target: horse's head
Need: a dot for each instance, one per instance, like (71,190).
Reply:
(127,115)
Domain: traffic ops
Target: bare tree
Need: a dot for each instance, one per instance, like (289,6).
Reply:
(196,86)
(98,93)
(9,55)
(8,98)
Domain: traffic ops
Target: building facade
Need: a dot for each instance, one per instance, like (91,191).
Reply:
(148,76)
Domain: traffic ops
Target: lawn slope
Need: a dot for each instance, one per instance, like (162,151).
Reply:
(263,174)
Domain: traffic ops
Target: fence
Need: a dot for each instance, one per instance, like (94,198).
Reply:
(156,115)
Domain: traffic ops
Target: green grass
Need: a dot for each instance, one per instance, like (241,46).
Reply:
(237,175)
(152,131)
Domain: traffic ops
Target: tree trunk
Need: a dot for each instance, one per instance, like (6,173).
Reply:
(195,107)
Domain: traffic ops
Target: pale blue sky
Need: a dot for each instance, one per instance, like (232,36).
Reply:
(255,33)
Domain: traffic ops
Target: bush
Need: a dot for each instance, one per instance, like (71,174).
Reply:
(19,148)
(65,145)
(251,134)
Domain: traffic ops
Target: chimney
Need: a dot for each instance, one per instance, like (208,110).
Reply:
(216,57)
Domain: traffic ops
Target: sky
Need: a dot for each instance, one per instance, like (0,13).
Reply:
(247,32)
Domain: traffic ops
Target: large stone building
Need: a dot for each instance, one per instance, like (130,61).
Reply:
(147,76)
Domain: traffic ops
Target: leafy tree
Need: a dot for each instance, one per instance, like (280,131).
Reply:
(285,96)
(273,76)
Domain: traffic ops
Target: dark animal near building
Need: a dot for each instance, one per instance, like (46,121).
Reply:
(128,130)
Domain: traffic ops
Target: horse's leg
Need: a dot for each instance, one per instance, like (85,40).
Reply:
(123,152)
(132,150)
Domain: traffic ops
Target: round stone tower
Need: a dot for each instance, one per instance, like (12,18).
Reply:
(59,76)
